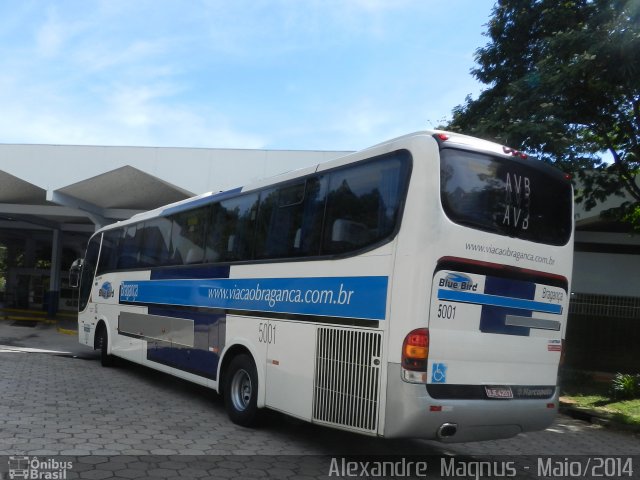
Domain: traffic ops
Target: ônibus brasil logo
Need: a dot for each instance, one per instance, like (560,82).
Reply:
(35,468)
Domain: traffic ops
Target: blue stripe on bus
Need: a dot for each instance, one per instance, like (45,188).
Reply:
(348,297)
(493,318)
(199,359)
(498,301)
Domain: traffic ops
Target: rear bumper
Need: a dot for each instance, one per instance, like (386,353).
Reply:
(408,414)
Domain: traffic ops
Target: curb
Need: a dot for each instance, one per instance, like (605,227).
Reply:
(37,317)
(596,418)
(67,331)
(28,319)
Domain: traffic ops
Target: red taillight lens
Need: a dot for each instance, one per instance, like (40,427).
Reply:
(415,350)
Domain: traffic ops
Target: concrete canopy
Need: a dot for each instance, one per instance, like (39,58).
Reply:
(16,190)
(118,194)
(86,205)
(125,188)
(49,210)
(24,205)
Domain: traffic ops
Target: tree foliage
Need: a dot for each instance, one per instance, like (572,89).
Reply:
(563,82)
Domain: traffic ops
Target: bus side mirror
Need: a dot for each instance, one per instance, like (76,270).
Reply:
(74,273)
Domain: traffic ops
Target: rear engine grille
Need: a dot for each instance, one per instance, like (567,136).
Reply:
(347,377)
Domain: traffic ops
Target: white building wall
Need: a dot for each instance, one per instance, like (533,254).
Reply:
(606,274)
(198,170)
(611,273)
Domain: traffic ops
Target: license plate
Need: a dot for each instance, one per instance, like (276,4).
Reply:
(498,392)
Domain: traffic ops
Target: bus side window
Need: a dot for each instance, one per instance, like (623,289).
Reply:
(129,247)
(155,242)
(290,220)
(232,231)
(362,204)
(314,205)
(218,236)
(347,231)
(187,236)
(279,218)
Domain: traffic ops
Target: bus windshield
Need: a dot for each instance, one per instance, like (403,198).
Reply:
(514,197)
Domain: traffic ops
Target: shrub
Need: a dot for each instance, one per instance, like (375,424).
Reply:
(625,386)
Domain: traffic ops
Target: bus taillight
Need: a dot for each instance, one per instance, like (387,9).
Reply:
(415,353)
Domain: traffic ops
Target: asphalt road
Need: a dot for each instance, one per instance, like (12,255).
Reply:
(133,422)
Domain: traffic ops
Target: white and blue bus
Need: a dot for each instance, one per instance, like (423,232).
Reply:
(418,288)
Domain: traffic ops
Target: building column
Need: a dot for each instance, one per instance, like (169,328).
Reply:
(54,277)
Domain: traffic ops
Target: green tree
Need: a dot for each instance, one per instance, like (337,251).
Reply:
(563,83)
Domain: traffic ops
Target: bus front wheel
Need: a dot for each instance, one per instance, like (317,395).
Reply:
(103,344)
(241,391)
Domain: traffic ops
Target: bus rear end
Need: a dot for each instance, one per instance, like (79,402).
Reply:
(483,362)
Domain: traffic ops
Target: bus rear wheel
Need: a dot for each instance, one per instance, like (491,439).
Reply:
(241,391)
(102,344)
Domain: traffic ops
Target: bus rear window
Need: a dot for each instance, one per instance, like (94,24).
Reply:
(518,198)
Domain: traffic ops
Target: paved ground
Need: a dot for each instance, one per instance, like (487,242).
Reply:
(58,400)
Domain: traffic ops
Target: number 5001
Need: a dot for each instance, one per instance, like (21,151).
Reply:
(266,333)
(446,311)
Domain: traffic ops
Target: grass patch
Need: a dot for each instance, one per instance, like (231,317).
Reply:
(596,396)
(626,411)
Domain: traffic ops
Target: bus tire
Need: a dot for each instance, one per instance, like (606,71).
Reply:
(241,391)
(106,360)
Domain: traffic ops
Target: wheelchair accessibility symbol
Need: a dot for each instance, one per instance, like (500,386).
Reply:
(439,373)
